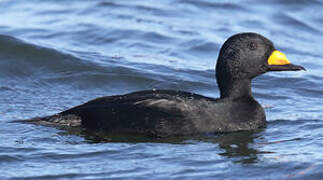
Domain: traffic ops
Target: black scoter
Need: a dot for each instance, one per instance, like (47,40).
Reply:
(162,113)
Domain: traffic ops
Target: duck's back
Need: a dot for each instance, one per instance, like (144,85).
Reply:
(162,113)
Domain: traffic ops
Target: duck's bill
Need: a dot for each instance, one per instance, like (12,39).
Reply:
(278,61)
(286,67)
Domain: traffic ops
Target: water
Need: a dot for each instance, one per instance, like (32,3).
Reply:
(58,54)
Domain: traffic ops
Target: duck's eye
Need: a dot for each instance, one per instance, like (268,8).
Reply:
(252,45)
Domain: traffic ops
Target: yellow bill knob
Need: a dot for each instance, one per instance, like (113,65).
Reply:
(277,58)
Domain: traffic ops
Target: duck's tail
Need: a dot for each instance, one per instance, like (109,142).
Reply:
(54,120)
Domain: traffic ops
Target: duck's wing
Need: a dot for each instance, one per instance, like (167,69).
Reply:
(158,113)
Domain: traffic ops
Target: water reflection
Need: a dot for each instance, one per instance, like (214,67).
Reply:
(240,147)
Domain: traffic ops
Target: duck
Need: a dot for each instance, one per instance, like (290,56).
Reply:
(166,113)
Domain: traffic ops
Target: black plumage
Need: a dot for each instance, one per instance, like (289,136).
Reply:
(162,113)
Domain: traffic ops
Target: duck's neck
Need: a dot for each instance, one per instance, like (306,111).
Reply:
(236,89)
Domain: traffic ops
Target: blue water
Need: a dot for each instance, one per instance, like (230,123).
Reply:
(58,54)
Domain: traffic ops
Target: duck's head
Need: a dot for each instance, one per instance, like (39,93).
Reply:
(244,56)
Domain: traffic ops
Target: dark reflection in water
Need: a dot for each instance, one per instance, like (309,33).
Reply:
(238,146)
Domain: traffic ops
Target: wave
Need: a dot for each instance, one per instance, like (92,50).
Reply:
(48,67)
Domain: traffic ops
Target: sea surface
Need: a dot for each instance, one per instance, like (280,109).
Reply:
(58,54)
